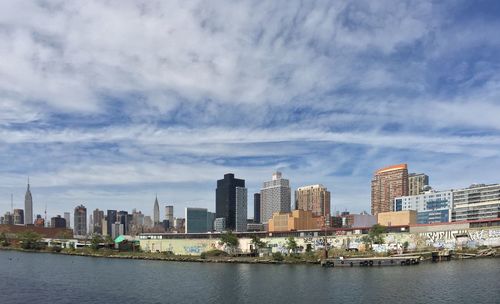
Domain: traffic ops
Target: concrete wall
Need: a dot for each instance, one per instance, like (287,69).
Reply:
(451,239)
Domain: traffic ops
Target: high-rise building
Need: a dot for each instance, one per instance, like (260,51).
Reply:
(256,207)
(225,199)
(156,212)
(477,202)
(111,216)
(28,206)
(169,214)
(122,218)
(67,216)
(8,218)
(18,217)
(431,206)
(275,196)
(80,220)
(241,209)
(148,222)
(315,198)
(98,215)
(116,230)
(196,220)
(417,183)
(387,184)
(57,222)
(210,221)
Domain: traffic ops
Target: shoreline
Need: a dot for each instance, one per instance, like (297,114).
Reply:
(193,259)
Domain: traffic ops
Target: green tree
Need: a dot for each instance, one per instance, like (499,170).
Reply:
(95,241)
(3,240)
(257,243)
(108,241)
(229,240)
(291,245)
(376,234)
(30,240)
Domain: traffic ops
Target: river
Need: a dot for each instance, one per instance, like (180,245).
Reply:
(50,278)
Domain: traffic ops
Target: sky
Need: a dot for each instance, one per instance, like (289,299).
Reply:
(108,103)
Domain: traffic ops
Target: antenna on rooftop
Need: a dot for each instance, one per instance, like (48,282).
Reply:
(12,202)
(45,221)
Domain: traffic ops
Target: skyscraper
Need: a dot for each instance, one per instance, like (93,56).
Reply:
(156,212)
(169,215)
(416,183)
(67,215)
(98,216)
(241,209)
(225,199)
(80,220)
(387,184)
(122,218)
(28,206)
(256,207)
(196,220)
(111,217)
(315,198)
(275,196)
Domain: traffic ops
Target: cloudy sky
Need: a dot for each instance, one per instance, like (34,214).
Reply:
(108,102)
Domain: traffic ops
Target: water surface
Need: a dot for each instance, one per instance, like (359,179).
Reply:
(49,278)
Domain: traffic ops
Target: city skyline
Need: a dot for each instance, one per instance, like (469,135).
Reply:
(325,93)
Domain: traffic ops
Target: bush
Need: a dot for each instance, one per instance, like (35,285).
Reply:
(277,256)
(56,248)
(213,253)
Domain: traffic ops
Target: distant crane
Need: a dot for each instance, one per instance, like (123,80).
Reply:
(45,221)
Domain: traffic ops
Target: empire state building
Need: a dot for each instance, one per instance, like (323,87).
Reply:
(28,206)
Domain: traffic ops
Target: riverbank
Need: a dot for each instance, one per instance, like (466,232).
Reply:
(172,258)
(311,259)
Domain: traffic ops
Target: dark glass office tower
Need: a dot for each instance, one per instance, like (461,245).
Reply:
(225,199)
(122,217)
(111,218)
(256,207)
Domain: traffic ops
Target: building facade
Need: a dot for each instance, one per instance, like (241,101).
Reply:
(241,209)
(123,218)
(387,184)
(275,196)
(169,214)
(292,221)
(98,215)
(416,183)
(476,202)
(111,216)
(397,218)
(80,220)
(256,207)
(315,198)
(225,199)
(431,206)
(196,220)
(67,216)
(57,222)
(18,216)
(28,206)
(220,224)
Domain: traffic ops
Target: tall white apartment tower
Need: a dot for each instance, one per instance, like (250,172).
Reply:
(275,196)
